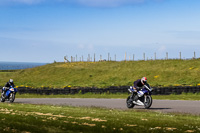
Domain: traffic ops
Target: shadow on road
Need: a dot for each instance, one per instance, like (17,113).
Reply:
(158,108)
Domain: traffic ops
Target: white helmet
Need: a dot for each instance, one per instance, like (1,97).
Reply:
(11,80)
(144,80)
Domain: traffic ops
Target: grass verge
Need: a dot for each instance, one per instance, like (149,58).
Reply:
(184,96)
(29,118)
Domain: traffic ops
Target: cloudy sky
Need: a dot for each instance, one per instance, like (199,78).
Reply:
(48,30)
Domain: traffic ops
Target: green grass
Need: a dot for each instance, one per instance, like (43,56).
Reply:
(45,118)
(183,96)
(103,74)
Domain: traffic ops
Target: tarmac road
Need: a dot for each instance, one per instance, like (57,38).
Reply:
(176,106)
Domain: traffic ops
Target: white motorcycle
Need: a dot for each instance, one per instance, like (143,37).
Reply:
(144,97)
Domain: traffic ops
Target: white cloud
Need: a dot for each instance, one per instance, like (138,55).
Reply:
(81,46)
(88,47)
(89,3)
(107,3)
(13,2)
(162,49)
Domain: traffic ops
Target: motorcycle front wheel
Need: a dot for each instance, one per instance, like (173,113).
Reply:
(12,97)
(2,98)
(148,102)
(129,102)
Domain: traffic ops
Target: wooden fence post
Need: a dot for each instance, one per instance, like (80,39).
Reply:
(88,57)
(71,59)
(166,55)
(65,59)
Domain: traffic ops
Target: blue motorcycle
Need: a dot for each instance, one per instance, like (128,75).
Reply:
(144,97)
(8,95)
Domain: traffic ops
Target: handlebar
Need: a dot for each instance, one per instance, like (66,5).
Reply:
(150,89)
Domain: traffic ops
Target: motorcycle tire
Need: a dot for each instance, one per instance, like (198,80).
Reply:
(2,99)
(12,98)
(129,102)
(148,103)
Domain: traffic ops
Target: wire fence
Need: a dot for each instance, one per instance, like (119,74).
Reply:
(95,58)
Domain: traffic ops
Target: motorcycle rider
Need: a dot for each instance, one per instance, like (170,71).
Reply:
(137,85)
(8,85)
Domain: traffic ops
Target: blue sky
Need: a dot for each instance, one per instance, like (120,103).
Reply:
(48,30)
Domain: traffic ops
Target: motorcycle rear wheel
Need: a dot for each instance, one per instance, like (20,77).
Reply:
(12,97)
(148,102)
(129,102)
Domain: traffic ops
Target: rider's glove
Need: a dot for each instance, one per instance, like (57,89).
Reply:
(131,89)
(134,90)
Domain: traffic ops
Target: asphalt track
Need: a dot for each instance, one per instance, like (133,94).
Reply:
(166,106)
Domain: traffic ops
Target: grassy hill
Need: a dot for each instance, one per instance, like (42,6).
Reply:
(102,74)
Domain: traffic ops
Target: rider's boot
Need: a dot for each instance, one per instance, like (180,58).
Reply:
(131,98)
(135,98)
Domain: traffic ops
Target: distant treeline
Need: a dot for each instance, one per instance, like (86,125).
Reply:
(109,90)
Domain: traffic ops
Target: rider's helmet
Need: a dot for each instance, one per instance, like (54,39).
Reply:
(144,80)
(11,80)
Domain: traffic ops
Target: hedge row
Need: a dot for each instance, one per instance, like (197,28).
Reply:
(110,90)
